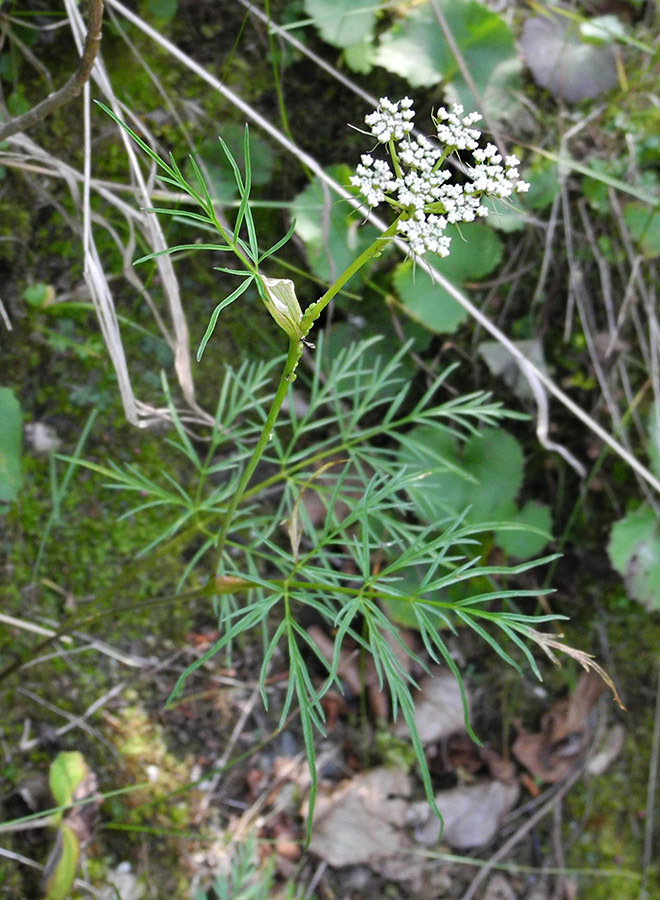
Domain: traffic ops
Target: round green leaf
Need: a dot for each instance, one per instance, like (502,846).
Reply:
(162,9)
(529,542)
(343,22)
(432,450)
(634,550)
(494,458)
(415,49)
(475,251)
(425,301)
(644,226)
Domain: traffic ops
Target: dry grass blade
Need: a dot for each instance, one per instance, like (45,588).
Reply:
(549,643)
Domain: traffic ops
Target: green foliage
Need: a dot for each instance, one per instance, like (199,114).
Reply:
(331,230)
(417,50)
(67,770)
(162,9)
(343,22)
(219,171)
(634,549)
(478,481)
(475,251)
(346,446)
(644,226)
(247,878)
(62,865)
(11,435)
(246,249)
(264,584)
(634,545)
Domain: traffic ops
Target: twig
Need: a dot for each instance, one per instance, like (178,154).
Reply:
(72,87)
(5,318)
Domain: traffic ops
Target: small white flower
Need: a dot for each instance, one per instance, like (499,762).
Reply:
(426,233)
(455,131)
(374,179)
(391,121)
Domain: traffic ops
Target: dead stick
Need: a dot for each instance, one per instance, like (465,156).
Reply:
(72,87)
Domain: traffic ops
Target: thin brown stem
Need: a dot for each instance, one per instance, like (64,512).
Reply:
(72,87)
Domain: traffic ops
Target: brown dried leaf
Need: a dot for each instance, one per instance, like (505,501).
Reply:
(438,708)
(472,814)
(357,822)
(564,735)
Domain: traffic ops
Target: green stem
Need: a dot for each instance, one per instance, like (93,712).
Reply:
(288,375)
(314,311)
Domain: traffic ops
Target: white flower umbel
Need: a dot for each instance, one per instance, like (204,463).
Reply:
(417,187)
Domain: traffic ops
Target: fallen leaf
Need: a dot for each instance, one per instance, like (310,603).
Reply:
(471,813)
(565,732)
(438,708)
(357,822)
(561,62)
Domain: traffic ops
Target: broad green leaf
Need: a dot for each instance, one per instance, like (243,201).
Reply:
(415,49)
(66,772)
(475,251)
(60,868)
(481,478)
(505,217)
(11,435)
(494,458)
(162,9)
(527,543)
(332,234)
(360,57)
(644,226)
(425,301)
(432,449)
(343,22)
(634,550)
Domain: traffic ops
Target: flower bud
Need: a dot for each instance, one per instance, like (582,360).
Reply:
(282,303)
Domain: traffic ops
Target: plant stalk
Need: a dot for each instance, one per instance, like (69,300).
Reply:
(288,375)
